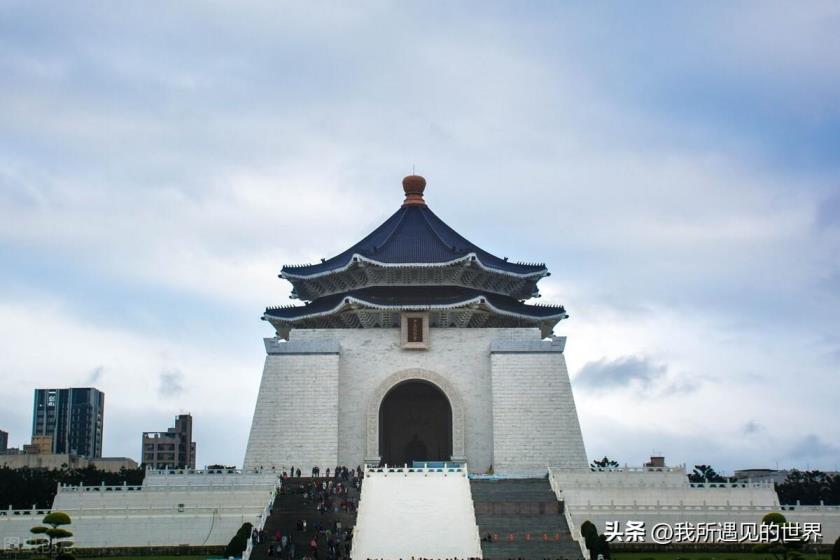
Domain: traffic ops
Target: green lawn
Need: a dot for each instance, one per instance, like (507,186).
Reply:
(708,556)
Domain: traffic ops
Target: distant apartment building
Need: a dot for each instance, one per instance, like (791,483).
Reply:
(73,418)
(41,445)
(173,448)
(4,441)
(775,476)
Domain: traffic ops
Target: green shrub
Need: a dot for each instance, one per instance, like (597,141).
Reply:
(773,518)
(237,544)
(57,518)
(835,551)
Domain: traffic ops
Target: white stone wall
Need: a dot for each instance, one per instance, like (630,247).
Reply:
(525,383)
(190,508)
(666,496)
(641,487)
(827,516)
(296,416)
(461,356)
(118,528)
(535,422)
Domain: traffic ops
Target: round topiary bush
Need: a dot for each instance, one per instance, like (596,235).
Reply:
(588,530)
(237,544)
(773,518)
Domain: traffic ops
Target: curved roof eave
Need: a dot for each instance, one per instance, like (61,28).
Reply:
(348,301)
(356,257)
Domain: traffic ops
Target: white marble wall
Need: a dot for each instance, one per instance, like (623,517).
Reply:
(535,422)
(666,496)
(190,508)
(296,415)
(316,398)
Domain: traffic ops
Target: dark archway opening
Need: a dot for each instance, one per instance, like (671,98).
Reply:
(415,424)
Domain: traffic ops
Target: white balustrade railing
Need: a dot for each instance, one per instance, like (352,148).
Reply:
(640,508)
(249,546)
(812,508)
(629,469)
(34,512)
(745,484)
(573,528)
(198,472)
(449,468)
(239,485)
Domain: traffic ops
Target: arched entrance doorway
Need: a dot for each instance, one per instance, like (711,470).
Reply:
(415,424)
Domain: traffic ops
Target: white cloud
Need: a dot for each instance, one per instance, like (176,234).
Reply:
(188,157)
(54,349)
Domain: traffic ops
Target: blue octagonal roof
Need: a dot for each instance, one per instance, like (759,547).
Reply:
(414,235)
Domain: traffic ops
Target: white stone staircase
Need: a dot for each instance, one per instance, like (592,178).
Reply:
(419,512)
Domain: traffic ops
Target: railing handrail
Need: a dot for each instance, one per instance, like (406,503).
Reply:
(249,546)
(573,528)
(155,488)
(405,469)
(639,508)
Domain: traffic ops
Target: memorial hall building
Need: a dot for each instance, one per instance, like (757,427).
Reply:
(415,344)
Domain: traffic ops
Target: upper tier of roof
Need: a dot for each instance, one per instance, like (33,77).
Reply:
(414,236)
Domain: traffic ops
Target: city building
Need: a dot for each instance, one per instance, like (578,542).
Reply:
(761,475)
(656,462)
(4,441)
(64,461)
(41,445)
(73,418)
(173,448)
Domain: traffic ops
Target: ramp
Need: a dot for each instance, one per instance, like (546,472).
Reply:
(419,512)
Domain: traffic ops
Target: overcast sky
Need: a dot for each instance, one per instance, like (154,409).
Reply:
(676,165)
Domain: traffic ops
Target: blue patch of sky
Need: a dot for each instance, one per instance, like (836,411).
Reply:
(103,300)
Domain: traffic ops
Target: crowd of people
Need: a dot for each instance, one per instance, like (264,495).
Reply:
(327,494)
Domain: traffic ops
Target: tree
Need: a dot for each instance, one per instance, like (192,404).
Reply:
(605,463)
(25,487)
(780,550)
(56,535)
(809,488)
(601,548)
(589,533)
(835,550)
(595,543)
(237,544)
(705,473)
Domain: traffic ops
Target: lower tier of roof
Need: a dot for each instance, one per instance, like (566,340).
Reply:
(467,272)
(448,306)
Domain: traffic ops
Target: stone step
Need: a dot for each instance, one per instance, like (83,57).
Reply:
(529,551)
(524,518)
(289,507)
